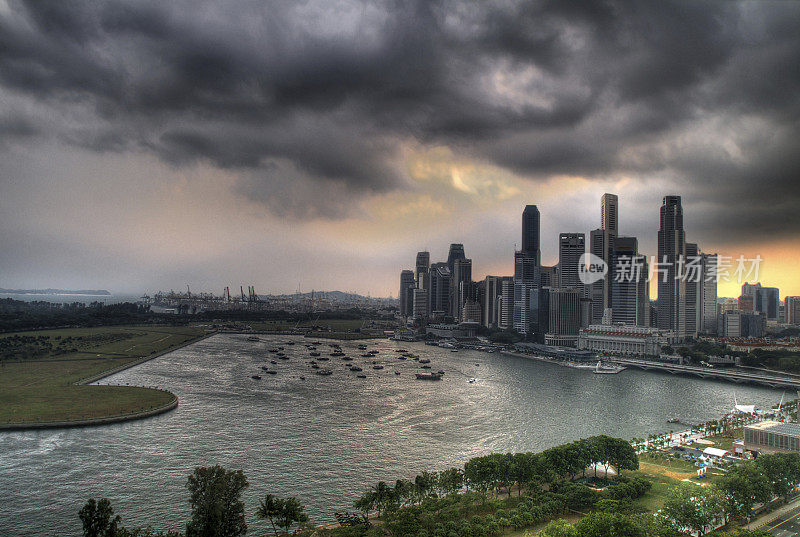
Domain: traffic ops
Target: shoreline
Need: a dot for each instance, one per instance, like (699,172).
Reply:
(119,418)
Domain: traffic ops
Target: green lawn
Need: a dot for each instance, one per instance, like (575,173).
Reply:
(43,389)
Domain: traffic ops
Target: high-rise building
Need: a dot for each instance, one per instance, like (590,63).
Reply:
(423,266)
(406,290)
(461,289)
(526,280)
(548,276)
(671,249)
(565,317)
(505,304)
(420,301)
(531,233)
(709,293)
(792,308)
(693,269)
(439,290)
(471,312)
(571,246)
(456,252)
(601,244)
(491,294)
(609,207)
(630,298)
(767,301)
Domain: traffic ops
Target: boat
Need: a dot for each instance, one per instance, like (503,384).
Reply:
(347,359)
(397,372)
(441,372)
(283,357)
(290,342)
(356,368)
(272,372)
(324,372)
(428,376)
(362,347)
(377,367)
(425,367)
(473,380)
(314,354)
(367,355)
(361,376)
(265,368)
(611,369)
(402,358)
(255,377)
(323,359)
(273,362)
(400,350)
(337,353)
(302,378)
(252,338)
(673,420)
(273,350)
(314,366)
(425,361)
(453,350)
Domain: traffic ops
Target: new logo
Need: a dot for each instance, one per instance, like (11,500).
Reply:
(591,268)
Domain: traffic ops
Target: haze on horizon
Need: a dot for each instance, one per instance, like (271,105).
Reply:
(321,144)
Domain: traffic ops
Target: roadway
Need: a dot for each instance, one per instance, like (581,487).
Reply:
(787,525)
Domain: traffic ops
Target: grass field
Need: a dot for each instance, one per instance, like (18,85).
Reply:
(43,389)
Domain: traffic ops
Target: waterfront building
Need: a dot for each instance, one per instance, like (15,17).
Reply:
(625,340)
(505,304)
(630,296)
(792,310)
(601,244)
(708,300)
(406,290)
(439,290)
(571,246)
(420,301)
(525,283)
(461,287)
(671,248)
(564,318)
(531,233)
(423,267)
(740,324)
(471,312)
(609,214)
(456,252)
(772,437)
(491,300)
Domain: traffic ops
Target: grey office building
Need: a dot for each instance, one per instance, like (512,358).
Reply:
(671,287)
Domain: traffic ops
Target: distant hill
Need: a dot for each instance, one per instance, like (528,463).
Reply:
(332,295)
(89,292)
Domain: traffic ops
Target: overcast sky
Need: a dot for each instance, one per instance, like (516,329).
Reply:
(148,145)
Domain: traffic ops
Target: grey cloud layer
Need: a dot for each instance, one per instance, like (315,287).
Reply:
(314,101)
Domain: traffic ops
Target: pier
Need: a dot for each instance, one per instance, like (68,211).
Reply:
(773,380)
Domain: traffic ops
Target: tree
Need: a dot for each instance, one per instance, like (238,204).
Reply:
(608,525)
(292,511)
(217,509)
(741,488)
(559,528)
(270,508)
(693,508)
(97,519)
(451,480)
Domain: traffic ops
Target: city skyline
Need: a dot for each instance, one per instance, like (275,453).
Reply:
(198,149)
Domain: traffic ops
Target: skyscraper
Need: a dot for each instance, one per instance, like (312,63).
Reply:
(792,307)
(405,295)
(601,244)
(461,290)
(609,211)
(531,233)
(624,273)
(571,246)
(767,301)
(491,294)
(671,286)
(423,266)
(565,317)
(526,281)
(420,303)
(505,304)
(709,290)
(456,252)
(439,295)
(694,290)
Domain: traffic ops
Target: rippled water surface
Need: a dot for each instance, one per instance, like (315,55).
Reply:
(325,439)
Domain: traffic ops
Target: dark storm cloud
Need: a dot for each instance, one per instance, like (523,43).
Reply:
(308,98)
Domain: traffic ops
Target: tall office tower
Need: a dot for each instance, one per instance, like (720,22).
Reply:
(643,307)
(671,286)
(420,301)
(750,289)
(456,252)
(565,317)
(625,273)
(609,213)
(601,244)
(571,246)
(526,280)
(423,267)
(767,301)
(406,283)
(540,314)
(792,307)
(548,276)
(491,293)
(694,293)
(461,287)
(709,291)
(505,304)
(439,290)
(531,233)
(471,312)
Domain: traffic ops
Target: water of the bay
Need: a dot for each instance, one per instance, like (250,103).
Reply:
(325,439)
